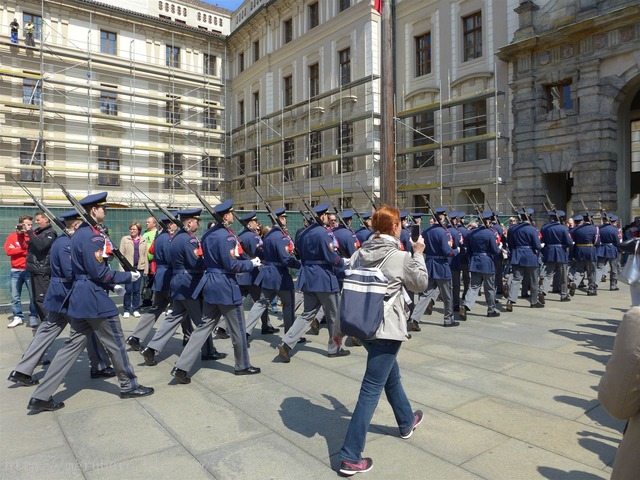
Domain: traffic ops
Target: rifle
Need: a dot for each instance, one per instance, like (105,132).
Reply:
(475,205)
(208,207)
(164,211)
(91,221)
(315,217)
(152,213)
(435,216)
(272,215)
(50,215)
(589,219)
(552,207)
(523,208)
(603,212)
(373,204)
(344,224)
(360,219)
(513,207)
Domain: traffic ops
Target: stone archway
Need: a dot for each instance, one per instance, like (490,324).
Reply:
(628,178)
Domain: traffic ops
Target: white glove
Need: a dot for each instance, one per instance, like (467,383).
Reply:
(119,290)
(256,262)
(135,276)
(456,251)
(347,262)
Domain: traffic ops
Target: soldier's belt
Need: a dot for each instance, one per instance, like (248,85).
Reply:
(184,270)
(584,244)
(275,264)
(315,262)
(436,257)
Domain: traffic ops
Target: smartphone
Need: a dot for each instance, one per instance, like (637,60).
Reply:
(415,233)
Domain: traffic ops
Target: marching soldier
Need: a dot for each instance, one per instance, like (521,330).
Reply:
(187,266)
(608,250)
(587,238)
(556,243)
(482,246)
(347,241)
(364,232)
(318,281)
(91,310)
(524,245)
(221,293)
(459,263)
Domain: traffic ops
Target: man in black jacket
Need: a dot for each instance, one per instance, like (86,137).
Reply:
(39,243)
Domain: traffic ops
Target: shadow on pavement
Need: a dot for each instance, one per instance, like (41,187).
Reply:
(557,474)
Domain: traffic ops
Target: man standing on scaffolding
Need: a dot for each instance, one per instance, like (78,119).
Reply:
(14,30)
(29,30)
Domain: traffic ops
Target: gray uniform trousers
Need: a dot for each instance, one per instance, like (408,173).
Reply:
(585,268)
(234,315)
(161,301)
(182,310)
(109,332)
(312,303)
(478,280)
(46,334)
(299,300)
(613,272)
(254,292)
(549,271)
(519,273)
(263,304)
(443,285)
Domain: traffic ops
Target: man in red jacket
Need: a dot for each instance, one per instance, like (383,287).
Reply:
(16,247)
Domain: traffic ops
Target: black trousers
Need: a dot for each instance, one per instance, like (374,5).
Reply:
(39,286)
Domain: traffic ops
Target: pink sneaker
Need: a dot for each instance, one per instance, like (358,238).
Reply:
(348,468)
(418,416)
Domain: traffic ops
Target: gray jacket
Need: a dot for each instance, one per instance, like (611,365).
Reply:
(402,269)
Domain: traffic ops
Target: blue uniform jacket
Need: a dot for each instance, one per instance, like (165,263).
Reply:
(586,238)
(461,260)
(609,241)
(274,273)
(185,257)
(92,276)
(363,234)
(218,284)
(347,240)
(438,250)
(557,240)
(252,247)
(482,247)
(405,240)
(61,275)
(161,255)
(320,260)
(524,244)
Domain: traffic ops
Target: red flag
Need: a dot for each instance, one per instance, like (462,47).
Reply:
(377,4)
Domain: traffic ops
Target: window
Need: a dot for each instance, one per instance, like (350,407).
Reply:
(172,167)
(314,17)
(289,158)
(472,28)
(240,62)
(241,164)
(32,152)
(173,57)
(108,102)
(345,66)
(288,90)
(345,145)
(343,5)
(423,54)
(255,164)
(108,42)
(256,50)
(475,123)
(209,65)
(37,23)
(241,112)
(31,91)
(287,27)
(314,80)
(256,104)
(210,118)
(558,96)
(172,110)
(423,126)
(315,152)
(210,174)
(109,160)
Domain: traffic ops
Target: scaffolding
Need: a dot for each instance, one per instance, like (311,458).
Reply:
(106,102)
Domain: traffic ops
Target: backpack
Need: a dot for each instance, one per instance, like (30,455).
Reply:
(362,302)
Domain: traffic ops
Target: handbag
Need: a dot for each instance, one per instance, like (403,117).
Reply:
(362,302)
(631,272)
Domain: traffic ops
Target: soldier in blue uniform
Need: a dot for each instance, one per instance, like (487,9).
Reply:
(91,310)
(556,243)
(319,283)
(274,277)
(482,246)
(439,250)
(252,246)
(57,319)
(608,250)
(405,233)
(187,267)
(221,294)
(348,243)
(459,263)
(364,232)
(524,246)
(586,237)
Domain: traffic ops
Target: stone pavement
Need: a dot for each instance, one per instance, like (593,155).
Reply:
(512,398)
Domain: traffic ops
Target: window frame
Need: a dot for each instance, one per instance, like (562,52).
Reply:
(287,90)
(287,31)
(32,91)
(108,157)
(108,102)
(37,24)
(210,170)
(474,125)
(472,34)
(314,15)
(314,79)
(209,64)
(423,124)
(108,45)
(173,165)
(564,95)
(422,64)
(344,66)
(172,110)
(32,152)
(172,59)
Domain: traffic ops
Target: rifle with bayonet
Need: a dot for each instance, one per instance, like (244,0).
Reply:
(360,219)
(603,212)
(152,213)
(373,204)
(435,216)
(312,212)
(344,224)
(475,205)
(163,210)
(589,219)
(208,207)
(524,209)
(272,215)
(50,215)
(91,221)
(552,207)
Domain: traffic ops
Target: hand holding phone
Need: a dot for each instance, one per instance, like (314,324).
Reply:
(415,232)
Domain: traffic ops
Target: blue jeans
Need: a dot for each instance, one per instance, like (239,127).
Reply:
(382,373)
(131,300)
(18,279)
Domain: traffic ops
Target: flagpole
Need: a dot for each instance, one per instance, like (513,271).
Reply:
(387,111)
